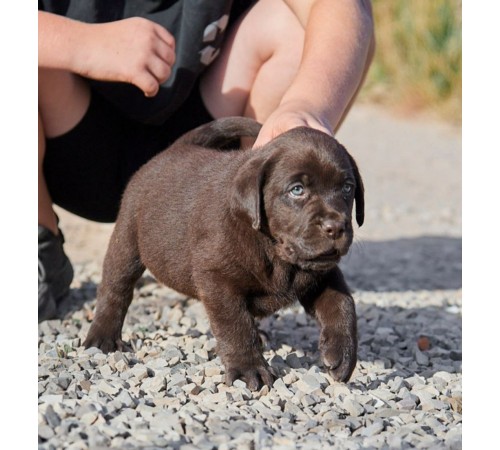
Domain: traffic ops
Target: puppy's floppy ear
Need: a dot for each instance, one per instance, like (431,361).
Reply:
(359,196)
(247,197)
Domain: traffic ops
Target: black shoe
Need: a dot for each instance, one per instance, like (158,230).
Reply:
(55,273)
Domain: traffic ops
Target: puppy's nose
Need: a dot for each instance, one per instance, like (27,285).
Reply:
(333,228)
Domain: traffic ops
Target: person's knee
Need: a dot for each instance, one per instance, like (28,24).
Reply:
(63,99)
(276,31)
(269,34)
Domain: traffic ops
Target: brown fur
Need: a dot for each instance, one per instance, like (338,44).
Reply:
(233,229)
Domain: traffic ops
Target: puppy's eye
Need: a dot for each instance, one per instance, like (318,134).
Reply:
(347,188)
(297,190)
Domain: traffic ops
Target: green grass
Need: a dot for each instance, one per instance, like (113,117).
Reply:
(418,59)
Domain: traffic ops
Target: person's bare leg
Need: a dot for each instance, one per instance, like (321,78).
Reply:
(257,64)
(63,99)
(46,216)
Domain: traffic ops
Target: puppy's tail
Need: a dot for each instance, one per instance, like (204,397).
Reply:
(222,133)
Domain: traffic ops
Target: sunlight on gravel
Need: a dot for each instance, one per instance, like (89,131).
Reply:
(170,391)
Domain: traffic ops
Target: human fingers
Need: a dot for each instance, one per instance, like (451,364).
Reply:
(152,54)
(159,69)
(147,82)
(266,134)
(165,36)
(162,61)
(165,51)
(275,126)
(159,62)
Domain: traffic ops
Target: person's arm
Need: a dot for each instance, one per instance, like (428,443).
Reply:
(135,50)
(338,42)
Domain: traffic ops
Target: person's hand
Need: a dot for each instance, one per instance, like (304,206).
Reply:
(291,115)
(135,50)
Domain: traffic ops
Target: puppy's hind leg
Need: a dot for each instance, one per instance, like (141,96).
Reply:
(122,268)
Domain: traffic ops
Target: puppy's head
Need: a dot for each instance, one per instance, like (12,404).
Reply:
(300,190)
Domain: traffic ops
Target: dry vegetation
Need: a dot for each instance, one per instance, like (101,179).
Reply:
(418,61)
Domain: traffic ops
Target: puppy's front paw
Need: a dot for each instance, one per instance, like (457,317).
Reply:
(338,352)
(254,376)
(107,343)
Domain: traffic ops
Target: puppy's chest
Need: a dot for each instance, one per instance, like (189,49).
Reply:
(277,290)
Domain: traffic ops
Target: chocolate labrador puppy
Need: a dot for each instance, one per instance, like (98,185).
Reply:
(247,232)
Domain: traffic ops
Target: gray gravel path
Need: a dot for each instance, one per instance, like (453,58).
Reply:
(406,391)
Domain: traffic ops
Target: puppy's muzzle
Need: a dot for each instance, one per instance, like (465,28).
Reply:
(327,241)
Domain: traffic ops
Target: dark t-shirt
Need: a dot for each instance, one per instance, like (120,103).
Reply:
(198,27)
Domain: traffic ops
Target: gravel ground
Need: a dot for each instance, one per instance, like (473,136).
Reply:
(405,271)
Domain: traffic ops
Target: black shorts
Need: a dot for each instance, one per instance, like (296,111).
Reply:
(88,168)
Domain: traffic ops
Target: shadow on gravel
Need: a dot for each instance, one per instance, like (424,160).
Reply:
(388,335)
(77,299)
(86,293)
(388,338)
(412,264)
